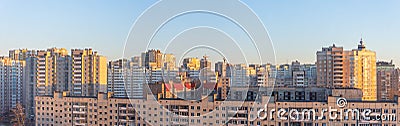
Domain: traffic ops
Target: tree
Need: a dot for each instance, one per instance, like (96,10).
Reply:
(19,115)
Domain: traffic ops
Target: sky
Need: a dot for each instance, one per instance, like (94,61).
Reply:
(297,28)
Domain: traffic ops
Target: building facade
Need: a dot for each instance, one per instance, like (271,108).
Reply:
(348,68)
(387,80)
(89,72)
(119,76)
(53,71)
(11,83)
(365,71)
(30,78)
(105,110)
(332,68)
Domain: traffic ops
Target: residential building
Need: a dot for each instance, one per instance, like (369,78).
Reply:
(221,68)
(11,83)
(332,68)
(258,75)
(191,66)
(387,80)
(53,71)
(152,59)
(119,77)
(283,76)
(89,72)
(351,68)
(365,71)
(30,78)
(21,54)
(106,110)
(240,75)
(169,62)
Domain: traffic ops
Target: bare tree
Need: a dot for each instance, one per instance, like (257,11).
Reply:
(19,115)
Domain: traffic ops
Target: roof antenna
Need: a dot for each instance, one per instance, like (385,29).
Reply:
(361,40)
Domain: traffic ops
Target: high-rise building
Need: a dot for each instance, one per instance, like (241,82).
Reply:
(354,68)
(283,75)
(169,62)
(240,75)
(331,69)
(29,90)
(191,66)
(303,75)
(310,71)
(21,54)
(387,80)
(365,71)
(205,63)
(221,68)
(191,63)
(271,71)
(298,75)
(11,83)
(119,76)
(258,75)
(136,61)
(53,71)
(138,80)
(89,72)
(152,59)
(30,80)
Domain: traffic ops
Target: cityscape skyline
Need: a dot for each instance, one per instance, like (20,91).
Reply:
(199,62)
(127,80)
(326,26)
(204,54)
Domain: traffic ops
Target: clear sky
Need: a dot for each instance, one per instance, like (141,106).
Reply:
(297,28)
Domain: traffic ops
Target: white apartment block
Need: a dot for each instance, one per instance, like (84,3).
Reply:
(11,83)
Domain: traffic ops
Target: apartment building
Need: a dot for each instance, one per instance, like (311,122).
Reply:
(331,67)
(11,83)
(119,77)
(102,110)
(387,80)
(89,72)
(21,54)
(105,110)
(364,61)
(53,71)
(240,75)
(30,78)
(348,68)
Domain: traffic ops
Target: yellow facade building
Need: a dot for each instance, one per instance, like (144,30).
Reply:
(348,68)
(89,72)
(365,72)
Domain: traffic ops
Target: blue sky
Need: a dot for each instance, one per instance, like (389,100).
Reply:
(297,28)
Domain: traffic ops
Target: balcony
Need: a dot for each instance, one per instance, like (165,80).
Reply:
(122,108)
(77,84)
(237,118)
(79,124)
(78,112)
(41,87)
(41,92)
(78,106)
(183,110)
(79,118)
(77,92)
(337,75)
